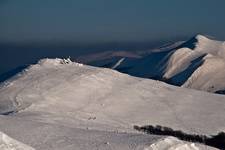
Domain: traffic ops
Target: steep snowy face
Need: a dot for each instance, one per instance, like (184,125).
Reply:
(184,64)
(210,76)
(206,57)
(207,45)
(204,44)
(178,62)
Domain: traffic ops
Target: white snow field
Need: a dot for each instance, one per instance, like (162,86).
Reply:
(58,104)
(171,143)
(7,143)
(210,76)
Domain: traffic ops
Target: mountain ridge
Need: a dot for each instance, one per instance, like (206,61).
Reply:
(178,64)
(64,103)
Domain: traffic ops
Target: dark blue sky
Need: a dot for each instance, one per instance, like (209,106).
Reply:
(109,20)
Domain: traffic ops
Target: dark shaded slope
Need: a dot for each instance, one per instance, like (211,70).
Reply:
(217,141)
(106,63)
(7,75)
(191,43)
(151,66)
(183,76)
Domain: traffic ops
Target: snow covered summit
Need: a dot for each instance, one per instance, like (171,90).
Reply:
(75,91)
(198,63)
(206,57)
(65,100)
(207,45)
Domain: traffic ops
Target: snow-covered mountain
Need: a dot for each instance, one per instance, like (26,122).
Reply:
(59,104)
(208,55)
(198,63)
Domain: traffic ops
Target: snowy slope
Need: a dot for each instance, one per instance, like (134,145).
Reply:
(208,77)
(53,136)
(109,59)
(197,63)
(210,74)
(7,143)
(171,143)
(44,136)
(104,96)
(58,94)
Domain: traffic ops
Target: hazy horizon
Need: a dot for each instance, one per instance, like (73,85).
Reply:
(99,21)
(31,30)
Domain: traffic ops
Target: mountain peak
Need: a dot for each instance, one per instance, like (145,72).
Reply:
(200,37)
(56,62)
(194,41)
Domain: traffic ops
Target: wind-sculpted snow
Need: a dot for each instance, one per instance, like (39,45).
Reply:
(197,63)
(210,75)
(56,94)
(7,143)
(171,143)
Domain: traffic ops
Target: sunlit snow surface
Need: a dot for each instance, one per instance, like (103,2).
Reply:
(7,143)
(210,75)
(171,143)
(59,104)
(198,63)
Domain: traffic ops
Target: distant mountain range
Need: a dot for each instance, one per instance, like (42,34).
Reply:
(198,63)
